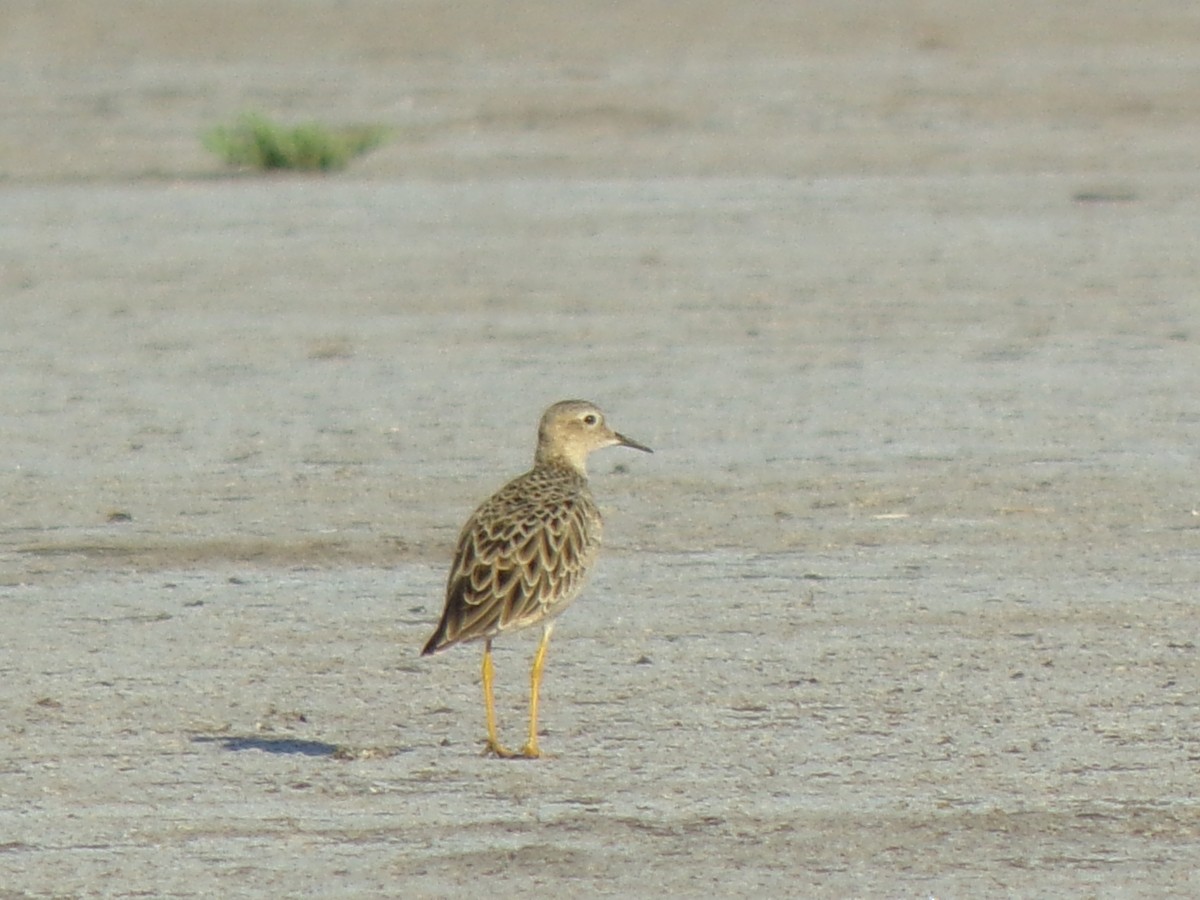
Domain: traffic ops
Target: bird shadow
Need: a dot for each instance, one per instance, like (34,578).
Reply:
(280,745)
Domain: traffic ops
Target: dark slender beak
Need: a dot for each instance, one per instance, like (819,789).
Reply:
(626,442)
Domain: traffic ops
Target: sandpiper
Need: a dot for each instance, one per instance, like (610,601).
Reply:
(522,556)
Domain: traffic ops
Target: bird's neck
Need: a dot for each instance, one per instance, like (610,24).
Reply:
(556,459)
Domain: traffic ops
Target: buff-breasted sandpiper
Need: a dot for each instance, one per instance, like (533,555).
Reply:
(523,555)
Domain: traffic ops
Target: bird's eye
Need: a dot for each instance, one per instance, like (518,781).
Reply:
(590,419)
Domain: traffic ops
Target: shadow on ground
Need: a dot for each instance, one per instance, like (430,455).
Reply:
(282,745)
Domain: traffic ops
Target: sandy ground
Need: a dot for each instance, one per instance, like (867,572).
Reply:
(903,606)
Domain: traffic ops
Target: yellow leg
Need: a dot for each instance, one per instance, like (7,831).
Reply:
(489,676)
(530,750)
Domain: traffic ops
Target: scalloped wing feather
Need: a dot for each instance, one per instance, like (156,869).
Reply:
(521,557)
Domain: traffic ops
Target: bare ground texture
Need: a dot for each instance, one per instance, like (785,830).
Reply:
(904,297)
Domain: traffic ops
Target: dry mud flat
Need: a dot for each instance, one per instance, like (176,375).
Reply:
(904,604)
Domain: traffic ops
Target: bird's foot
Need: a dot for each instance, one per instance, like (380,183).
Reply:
(531,751)
(495,748)
(498,750)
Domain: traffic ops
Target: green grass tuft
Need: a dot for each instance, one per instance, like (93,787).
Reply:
(255,142)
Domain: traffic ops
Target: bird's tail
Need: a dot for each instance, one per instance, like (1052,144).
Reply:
(437,641)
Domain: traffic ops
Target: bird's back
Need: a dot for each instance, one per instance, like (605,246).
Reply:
(522,556)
